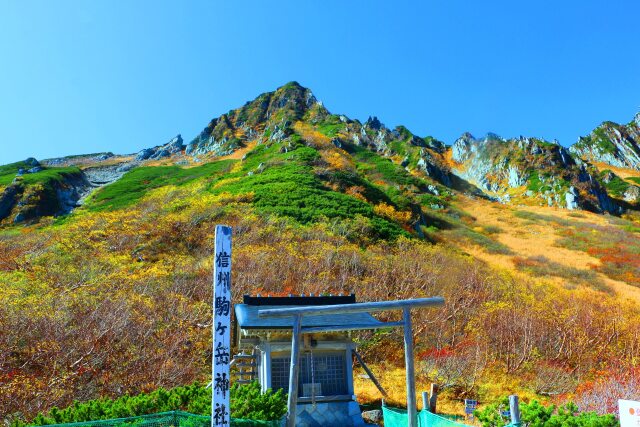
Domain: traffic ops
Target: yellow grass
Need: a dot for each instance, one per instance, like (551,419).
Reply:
(526,239)
(621,172)
(393,380)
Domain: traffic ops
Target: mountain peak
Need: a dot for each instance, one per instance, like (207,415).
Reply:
(373,123)
(272,114)
(294,97)
(292,85)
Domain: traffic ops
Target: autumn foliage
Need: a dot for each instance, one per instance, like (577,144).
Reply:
(112,302)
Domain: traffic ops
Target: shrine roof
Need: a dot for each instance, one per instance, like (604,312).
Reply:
(247,314)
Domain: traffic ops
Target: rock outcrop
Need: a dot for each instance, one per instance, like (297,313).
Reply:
(529,168)
(54,192)
(613,144)
(269,115)
(175,146)
(42,195)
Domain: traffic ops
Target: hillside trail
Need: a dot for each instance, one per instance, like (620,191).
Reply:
(526,238)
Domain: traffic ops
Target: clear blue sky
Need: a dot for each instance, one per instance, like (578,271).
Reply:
(90,76)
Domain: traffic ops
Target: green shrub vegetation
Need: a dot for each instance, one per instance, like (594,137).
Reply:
(331,126)
(603,142)
(40,190)
(8,172)
(635,179)
(373,164)
(249,403)
(534,414)
(50,175)
(616,186)
(381,169)
(535,183)
(137,182)
(45,176)
(246,402)
(292,189)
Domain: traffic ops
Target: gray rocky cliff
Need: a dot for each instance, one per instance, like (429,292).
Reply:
(529,168)
(174,146)
(613,144)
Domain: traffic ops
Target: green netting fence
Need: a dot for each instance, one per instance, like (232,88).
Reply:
(395,417)
(169,419)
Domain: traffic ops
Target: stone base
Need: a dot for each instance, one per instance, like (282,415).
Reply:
(329,414)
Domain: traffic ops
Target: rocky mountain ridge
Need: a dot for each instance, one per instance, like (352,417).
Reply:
(530,168)
(613,144)
(517,170)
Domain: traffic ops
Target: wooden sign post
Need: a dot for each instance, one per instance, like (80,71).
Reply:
(221,328)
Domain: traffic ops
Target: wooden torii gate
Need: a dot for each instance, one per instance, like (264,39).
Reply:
(366,307)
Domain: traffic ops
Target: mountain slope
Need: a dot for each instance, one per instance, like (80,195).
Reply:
(613,144)
(115,296)
(523,170)
(530,168)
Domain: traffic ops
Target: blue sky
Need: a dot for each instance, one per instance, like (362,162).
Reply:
(91,76)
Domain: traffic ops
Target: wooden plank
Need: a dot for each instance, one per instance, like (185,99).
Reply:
(363,307)
(434,398)
(221,327)
(514,407)
(371,376)
(294,369)
(353,327)
(412,411)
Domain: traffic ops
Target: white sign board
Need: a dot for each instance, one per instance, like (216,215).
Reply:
(629,413)
(221,327)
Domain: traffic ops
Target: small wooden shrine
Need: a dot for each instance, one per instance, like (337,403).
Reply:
(303,343)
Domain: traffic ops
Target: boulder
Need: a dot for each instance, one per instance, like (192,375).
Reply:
(104,156)
(145,154)
(372,417)
(126,167)
(571,198)
(632,194)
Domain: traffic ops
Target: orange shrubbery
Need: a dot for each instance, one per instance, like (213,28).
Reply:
(114,302)
(618,248)
(619,263)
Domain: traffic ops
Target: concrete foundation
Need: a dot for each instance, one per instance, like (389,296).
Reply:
(329,414)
